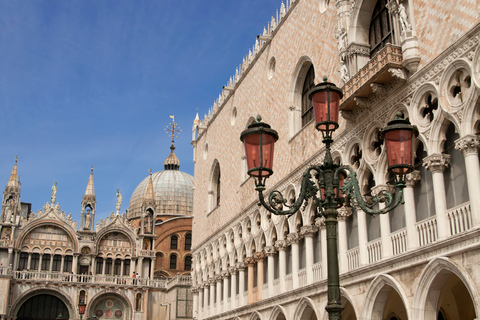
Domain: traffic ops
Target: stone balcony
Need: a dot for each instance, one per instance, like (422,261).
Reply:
(386,64)
(67,279)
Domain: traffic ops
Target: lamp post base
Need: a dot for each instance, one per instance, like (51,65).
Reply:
(334,311)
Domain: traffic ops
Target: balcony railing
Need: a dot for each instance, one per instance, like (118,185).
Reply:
(6,243)
(147,253)
(374,251)
(33,276)
(377,70)
(427,231)
(460,219)
(317,271)
(399,241)
(353,260)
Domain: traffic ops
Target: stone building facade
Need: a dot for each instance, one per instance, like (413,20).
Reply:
(421,58)
(50,265)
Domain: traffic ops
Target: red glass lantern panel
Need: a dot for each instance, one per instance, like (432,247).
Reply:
(259,151)
(81,308)
(325,111)
(399,145)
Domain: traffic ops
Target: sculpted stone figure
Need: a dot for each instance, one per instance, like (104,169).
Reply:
(54,192)
(119,200)
(88,220)
(344,72)
(9,210)
(402,13)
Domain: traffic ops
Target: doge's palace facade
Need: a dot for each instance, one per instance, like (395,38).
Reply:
(421,58)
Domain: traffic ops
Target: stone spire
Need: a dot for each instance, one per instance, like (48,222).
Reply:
(13,184)
(88,205)
(90,191)
(149,196)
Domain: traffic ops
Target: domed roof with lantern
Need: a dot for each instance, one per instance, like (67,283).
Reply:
(172,188)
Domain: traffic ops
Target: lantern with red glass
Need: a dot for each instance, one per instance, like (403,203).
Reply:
(338,194)
(81,308)
(326,105)
(399,136)
(259,140)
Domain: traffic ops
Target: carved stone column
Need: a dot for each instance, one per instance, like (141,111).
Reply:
(270,253)
(410,212)
(233,288)
(259,256)
(218,294)
(195,292)
(281,246)
(250,262)
(384,222)
(241,282)
(211,283)
(362,237)
(436,164)
(343,214)
(293,238)
(225,277)
(308,232)
(206,293)
(469,146)
(320,223)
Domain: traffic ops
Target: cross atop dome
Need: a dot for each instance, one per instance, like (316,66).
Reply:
(174,130)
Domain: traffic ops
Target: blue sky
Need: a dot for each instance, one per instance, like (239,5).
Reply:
(93,82)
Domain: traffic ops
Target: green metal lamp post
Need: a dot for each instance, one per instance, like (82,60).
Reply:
(329,184)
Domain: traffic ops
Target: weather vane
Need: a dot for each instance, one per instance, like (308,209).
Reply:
(173,129)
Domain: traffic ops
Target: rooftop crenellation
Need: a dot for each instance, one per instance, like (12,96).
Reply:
(249,58)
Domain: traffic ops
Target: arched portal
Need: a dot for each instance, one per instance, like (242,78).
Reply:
(348,312)
(42,307)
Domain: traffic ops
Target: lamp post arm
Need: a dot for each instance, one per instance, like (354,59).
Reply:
(351,189)
(276,200)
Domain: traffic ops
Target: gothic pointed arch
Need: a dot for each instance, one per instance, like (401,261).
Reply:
(278,313)
(384,290)
(429,288)
(214,186)
(306,310)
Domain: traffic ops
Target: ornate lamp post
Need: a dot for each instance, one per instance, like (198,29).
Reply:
(327,185)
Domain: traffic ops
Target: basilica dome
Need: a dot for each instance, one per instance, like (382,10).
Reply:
(172,190)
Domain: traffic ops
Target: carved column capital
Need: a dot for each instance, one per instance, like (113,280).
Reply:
(436,162)
(281,245)
(293,237)
(241,266)
(344,213)
(320,222)
(412,178)
(468,144)
(259,256)
(225,274)
(308,231)
(269,250)
(233,270)
(249,261)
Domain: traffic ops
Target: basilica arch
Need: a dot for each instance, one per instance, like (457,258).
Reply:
(54,301)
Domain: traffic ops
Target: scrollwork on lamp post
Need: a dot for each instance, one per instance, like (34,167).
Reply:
(329,185)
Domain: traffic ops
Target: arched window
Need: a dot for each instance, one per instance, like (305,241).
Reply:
(188,263)
(57,262)
(307,107)
(214,191)
(173,262)
(174,242)
(380,32)
(188,241)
